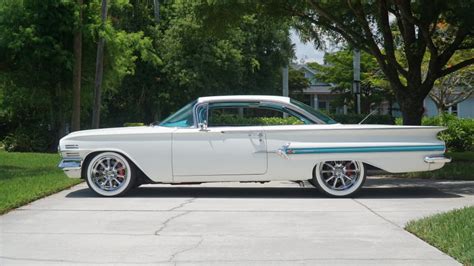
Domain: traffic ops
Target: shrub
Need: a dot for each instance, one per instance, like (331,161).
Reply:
(356,118)
(459,135)
(24,140)
(234,120)
(133,124)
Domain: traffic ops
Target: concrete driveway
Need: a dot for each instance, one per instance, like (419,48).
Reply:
(279,223)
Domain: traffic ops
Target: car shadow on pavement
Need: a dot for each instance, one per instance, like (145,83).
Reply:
(269,192)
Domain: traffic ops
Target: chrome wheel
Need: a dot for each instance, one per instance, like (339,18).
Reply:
(109,174)
(339,178)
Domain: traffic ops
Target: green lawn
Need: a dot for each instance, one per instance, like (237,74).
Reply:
(461,168)
(452,232)
(25,177)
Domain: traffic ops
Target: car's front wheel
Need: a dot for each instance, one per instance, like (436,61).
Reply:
(339,178)
(110,174)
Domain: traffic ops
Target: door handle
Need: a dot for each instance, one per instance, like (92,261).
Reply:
(259,134)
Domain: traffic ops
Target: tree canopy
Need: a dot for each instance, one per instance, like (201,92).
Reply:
(338,71)
(152,66)
(400,34)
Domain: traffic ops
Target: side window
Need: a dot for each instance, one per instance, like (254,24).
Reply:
(251,114)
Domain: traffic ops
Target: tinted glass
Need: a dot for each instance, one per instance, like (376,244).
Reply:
(324,118)
(182,118)
(250,114)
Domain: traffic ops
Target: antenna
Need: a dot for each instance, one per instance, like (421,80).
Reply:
(371,113)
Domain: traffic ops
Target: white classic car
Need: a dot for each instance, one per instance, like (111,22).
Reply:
(247,139)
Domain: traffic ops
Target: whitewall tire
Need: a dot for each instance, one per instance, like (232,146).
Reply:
(110,174)
(339,178)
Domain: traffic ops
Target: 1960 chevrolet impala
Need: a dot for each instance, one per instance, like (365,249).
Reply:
(247,138)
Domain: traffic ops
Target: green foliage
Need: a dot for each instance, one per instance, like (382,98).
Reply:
(296,83)
(25,140)
(25,177)
(459,135)
(356,118)
(460,168)
(338,70)
(134,124)
(36,58)
(451,232)
(245,58)
(235,120)
(399,34)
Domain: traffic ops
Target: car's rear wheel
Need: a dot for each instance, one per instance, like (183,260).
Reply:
(339,178)
(110,174)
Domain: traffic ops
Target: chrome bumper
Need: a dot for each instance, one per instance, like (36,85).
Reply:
(437,159)
(71,167)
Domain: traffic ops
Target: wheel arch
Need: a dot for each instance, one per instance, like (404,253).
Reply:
(90,155)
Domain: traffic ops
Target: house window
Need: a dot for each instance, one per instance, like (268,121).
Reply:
(323,105)
(452,110)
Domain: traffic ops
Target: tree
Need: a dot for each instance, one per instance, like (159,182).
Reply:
(439,28)
(382,28)
(338,71)
(453,89)
(99,71)
(297,82)
(37,64)
(37,58)
(77,71)
(245,58)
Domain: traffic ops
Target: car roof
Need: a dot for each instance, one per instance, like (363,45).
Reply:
(269,98)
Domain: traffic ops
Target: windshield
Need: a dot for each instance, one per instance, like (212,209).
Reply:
(326,119)
(182,118)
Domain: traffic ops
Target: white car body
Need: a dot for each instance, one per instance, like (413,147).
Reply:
(255,153)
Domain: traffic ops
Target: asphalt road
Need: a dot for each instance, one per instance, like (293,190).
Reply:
(278,223)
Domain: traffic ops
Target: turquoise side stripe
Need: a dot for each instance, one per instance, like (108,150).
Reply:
(365,149)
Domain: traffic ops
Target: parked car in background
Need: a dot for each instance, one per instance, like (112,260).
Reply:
(248,139)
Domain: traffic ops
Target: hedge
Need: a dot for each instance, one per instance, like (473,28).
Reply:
(356,118)
(459,135)
(234,120)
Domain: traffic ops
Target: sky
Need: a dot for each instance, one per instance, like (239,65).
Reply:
(306,51)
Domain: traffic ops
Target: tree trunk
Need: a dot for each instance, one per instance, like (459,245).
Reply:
(441,109)
(99,71)
(412,110)
(76,77)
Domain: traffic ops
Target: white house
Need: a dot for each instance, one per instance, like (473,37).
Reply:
(320,96)
(464,109)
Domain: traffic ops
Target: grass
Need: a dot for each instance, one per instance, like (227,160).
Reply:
(460,168)
(25,177)
(451,232)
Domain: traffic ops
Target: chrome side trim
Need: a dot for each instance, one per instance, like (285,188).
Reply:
(437,159)
(287,150)
(71,167)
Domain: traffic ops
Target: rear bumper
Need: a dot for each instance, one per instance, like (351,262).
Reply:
(71,167)
(437,159)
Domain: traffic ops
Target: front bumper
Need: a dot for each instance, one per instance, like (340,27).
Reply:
(71,167)
(437,159)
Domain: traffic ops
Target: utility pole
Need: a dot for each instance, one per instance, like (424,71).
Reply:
(285,81)
(156,9)
(76,75)
(356,83)
(99,71)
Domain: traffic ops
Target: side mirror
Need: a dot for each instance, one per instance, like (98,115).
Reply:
(202,126)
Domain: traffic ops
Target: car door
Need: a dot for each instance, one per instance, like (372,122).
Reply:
(218,151)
